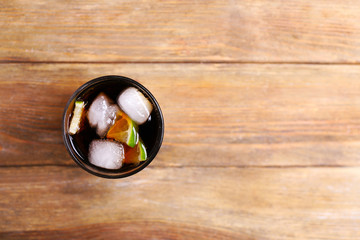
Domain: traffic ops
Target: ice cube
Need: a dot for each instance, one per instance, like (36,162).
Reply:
(102,114)
(135,104)
(106,154)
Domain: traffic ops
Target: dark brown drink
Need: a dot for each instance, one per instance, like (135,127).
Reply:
(151,131)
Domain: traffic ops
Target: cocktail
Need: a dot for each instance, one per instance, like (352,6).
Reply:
(113,126)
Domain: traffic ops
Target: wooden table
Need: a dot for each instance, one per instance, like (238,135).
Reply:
(261,101)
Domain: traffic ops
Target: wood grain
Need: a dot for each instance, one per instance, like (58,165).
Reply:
(147,30)
(130,230)
(215,114)
(261,102)
(173,203)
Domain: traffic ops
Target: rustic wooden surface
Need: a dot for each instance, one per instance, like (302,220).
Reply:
(186,30)
(261,102)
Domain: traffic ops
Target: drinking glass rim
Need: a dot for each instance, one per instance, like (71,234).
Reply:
(160,130)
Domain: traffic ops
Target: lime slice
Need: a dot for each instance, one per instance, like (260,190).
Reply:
(124,130)
(136,154)
(142,151)
(76,119)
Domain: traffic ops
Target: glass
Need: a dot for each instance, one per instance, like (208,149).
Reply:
(151,132)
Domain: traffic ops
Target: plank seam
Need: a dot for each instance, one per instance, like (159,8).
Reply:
(180,62)
(194,166)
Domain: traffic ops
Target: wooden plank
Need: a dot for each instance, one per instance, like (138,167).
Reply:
(215,115)
(216,30)
(129,230)
(170,203)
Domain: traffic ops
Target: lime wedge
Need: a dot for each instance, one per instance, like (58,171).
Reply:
(76,119)
(124,130)
(142,151)
(136,154)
